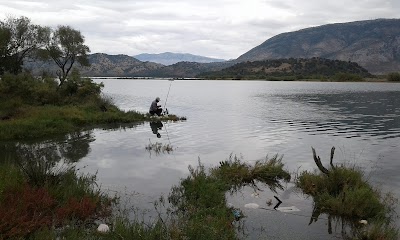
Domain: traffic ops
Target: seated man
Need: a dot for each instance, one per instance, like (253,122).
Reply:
(155,108)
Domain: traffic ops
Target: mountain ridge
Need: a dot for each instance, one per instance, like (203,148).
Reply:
(374,44)
(169,58)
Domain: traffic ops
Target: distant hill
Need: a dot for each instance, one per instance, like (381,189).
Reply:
(169,58)
(116,65)
(184,69)
(101,65)
(292,69)
(374,44)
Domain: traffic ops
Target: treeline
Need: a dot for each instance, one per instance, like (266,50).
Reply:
(292,69)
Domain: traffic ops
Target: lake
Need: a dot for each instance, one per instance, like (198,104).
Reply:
(253,120)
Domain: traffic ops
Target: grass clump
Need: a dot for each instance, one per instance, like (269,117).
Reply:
(344,193)
(200,203)
(237,174)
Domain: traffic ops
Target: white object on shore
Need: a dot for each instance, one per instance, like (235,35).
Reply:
(252,205)
(365,222)
(103,228)
(288,209)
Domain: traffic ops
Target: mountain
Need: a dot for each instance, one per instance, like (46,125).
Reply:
(373,44)
(105,65)
(292,69)
(169,58)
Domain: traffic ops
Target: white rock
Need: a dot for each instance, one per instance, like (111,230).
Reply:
(365,222)
(103,228)
(252,205)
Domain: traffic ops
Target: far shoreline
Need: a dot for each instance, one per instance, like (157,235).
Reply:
(376,79)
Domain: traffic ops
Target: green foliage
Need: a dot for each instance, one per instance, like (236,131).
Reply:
(291,69)
(19,38)
(343,193)
(199,200)
(238,174)
(393,77)
(66,46)
(36,107)
(347,77)
(201,206)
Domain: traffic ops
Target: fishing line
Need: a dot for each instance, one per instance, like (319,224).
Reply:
(166,99)
(166,130)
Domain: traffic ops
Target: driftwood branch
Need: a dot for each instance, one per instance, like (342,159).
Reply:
(317,160)
(332,153)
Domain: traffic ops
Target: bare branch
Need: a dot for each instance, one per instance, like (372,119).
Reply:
(317,161)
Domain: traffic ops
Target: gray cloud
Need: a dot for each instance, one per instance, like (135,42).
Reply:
(218,28)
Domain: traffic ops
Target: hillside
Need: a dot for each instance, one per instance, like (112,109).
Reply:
(373,44)
(292,69)
(184,69)
(169,58)
(101,65)
(116,65)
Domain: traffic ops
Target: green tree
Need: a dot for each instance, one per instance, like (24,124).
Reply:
(65,47)
(19,39)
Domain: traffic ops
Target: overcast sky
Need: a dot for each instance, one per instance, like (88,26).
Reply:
(214,28)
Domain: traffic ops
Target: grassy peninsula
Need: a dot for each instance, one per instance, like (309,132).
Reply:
(36,107)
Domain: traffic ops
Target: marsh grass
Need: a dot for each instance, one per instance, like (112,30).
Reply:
(238,174)
(199,201)
(343,192)
(158,147)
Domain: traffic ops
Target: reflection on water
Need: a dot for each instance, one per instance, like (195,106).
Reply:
(68,149)
(352,115)
(155,127)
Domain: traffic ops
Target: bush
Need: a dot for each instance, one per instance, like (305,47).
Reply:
(393,77)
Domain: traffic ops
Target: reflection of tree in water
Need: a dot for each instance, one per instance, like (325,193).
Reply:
(47,161)
(69,149)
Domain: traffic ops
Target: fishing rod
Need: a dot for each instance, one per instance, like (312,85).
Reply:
(166,99)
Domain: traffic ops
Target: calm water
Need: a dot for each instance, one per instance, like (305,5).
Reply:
(251,119)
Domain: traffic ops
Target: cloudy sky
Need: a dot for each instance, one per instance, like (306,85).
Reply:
(214,28)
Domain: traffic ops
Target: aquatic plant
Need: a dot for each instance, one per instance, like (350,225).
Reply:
(199,201)
(343,193)
(238,174)
(158,147)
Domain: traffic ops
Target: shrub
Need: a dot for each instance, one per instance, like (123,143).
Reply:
(393,77)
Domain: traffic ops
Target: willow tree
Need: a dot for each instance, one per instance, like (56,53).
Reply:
(65,47)
(19,39)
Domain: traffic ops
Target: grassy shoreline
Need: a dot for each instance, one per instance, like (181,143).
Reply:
(40,199)
(34,108)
